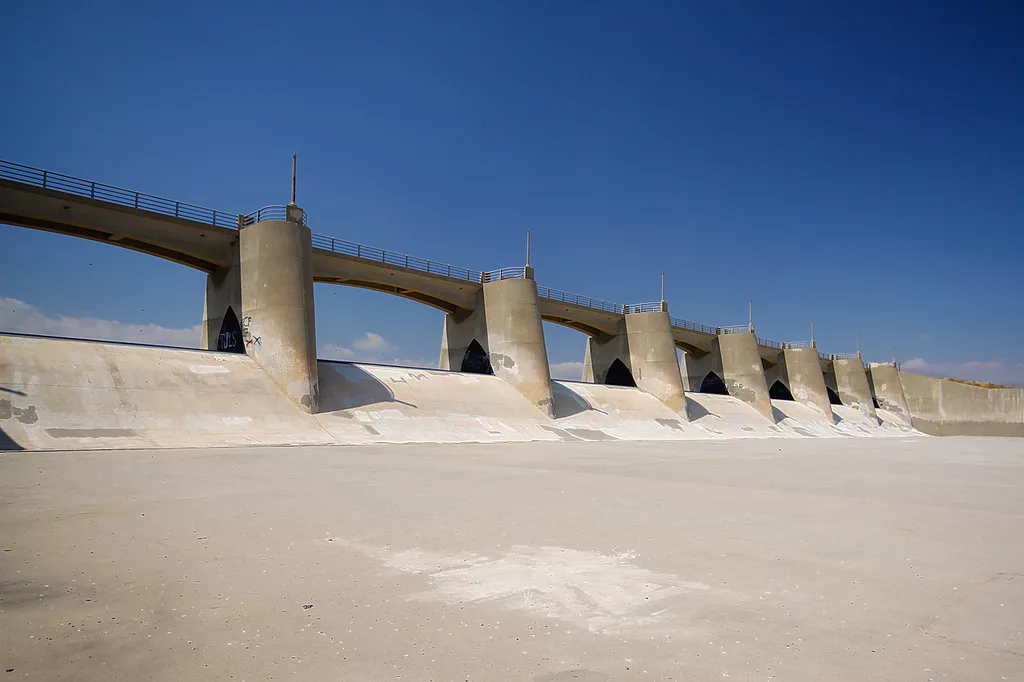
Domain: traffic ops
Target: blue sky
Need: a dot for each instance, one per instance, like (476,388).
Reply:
(861,163)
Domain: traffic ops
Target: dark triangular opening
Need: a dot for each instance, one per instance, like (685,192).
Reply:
(713,384)
(874,401)
(778,391)
(475,361)
(619,375)
(230,338)
(833,397)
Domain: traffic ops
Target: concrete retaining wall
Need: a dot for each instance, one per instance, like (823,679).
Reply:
(947,408)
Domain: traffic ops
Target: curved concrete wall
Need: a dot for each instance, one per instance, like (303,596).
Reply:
(653,359)
(278,324)
(515,339)
(948,408)
(852,385)
(736,359)
(805,379)
(888,390)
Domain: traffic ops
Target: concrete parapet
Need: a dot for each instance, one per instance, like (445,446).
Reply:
(948,408)
(278,324)
(852,385)
(737,361)
(888,390)
(652,358)
(805,380)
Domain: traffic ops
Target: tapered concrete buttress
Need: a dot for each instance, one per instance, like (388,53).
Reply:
(737,360)
(278,323)
(852,385)
(461,329)
(693,369)
(888,389)
(806,380)
(515,339)
(222,309)
(653,359)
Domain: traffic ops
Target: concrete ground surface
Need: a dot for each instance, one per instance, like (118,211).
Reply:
(785,559)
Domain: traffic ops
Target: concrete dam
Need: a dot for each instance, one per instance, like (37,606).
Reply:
(257,378)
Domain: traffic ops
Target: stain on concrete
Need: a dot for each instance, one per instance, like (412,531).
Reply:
(27,415)
(5,409)
(90,433)
(371,430)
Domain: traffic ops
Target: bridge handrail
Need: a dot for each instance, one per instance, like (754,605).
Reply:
(377,255)
(37,177)
(275,212)
(735,329)
(649,307)
(695,326)
(769,343)
(844,356)
(503,273)
(576,299)
(798,344)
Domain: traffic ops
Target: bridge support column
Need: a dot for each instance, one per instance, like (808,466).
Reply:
(693,368)
(852,385)
(802,368)
(506,325)
(736,359)
(223,308)
(278,323)
(652,358)
(602,352)
(888,389)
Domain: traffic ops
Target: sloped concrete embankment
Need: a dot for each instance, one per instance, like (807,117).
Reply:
(950,408)
(58,394)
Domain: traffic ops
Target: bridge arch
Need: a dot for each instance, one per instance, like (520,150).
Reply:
(713,384)
(476,360)
(833,397)
(779,391)
(230,340)
(619,375)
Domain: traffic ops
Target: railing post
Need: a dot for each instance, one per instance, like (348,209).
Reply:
(175,209)
(449,271)
(406,260)
(44,179)
(332,244)
(359,251)
(92,190)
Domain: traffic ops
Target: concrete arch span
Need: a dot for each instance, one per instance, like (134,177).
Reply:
(779,391)
(713,384)
(476,360)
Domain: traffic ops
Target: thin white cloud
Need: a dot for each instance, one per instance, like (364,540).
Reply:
(371,342)
(24,318)
(991,371)
(571,371)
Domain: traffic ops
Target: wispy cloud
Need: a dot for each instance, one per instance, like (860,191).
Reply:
(572,371)
(370,348)
(992,371)
(372,343)
(21,317)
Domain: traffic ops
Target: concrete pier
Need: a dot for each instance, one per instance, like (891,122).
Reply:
(736,360)
(805,379)
(884,380)
(852,384)
(278,327)
(222,309)
(652,358)
(505,327)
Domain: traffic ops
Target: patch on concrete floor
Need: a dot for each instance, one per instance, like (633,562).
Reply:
(90,433)
(590,434)
(605,594)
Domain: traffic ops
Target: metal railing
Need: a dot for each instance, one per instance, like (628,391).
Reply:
(266,213)
(798,344)
(770,344)
(695,326)
(649,307)
(503,273)
(576,299)
(735,329)
(844,356)
(824,356)
(37,177)
(376,255)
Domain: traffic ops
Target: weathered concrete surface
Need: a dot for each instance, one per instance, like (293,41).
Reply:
(57,394)
(61,394)
(736,359)
(888,390)
(852,384)
(278,324)
(461,328)
(515,339)
(748,560)
(946,408)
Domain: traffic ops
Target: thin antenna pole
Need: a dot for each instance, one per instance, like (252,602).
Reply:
(894,356)
(858,346)
(750,324)
(812,333)
(294,159)
(527,248)
(663,286)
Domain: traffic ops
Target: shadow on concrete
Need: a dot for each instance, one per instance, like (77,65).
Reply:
(7,443)
(568,402)
(344,386)
(695,411)
(777,414)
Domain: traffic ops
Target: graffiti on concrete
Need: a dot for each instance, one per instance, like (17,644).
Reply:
(248,337)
